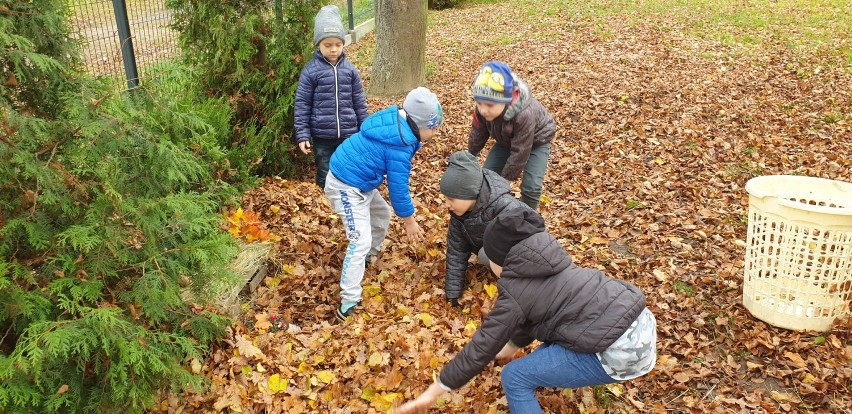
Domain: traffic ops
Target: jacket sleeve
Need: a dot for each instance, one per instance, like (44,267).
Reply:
(478,133)
(522,141)
(458,253)
(488,340)
(304,106)
(399,174)
(359,101)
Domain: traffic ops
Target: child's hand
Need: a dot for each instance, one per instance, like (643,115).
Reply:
(507,354)
(423,402)
(413,230)
(305,146)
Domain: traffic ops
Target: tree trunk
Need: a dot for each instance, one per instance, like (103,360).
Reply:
(400,62)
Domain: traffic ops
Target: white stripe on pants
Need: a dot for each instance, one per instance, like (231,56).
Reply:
(365,217)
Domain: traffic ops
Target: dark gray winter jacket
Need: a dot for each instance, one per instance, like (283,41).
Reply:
(544,296)
(464,235)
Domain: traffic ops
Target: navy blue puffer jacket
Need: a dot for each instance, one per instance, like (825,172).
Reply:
(330,101)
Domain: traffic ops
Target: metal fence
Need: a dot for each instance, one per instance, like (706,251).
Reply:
(144,24)
(97,24)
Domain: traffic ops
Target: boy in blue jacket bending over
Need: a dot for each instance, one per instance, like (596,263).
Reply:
(384,147)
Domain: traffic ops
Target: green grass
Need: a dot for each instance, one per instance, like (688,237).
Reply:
(801,25)
(683,288)
(362,10)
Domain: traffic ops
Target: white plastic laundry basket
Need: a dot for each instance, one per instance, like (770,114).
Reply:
(798,259)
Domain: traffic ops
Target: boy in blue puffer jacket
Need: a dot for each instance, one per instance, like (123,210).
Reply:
(330,104)
(385,146)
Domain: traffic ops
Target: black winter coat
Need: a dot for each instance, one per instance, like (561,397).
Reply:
(544,296)
(464,235)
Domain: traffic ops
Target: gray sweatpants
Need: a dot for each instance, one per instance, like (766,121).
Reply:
(366,217)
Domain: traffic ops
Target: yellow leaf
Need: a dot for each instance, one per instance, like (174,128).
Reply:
(598,240)
(325,376)
(238,214)
(470,328)
(375,359)
(276,383)
(392,396)
(272,282)
(274,208)
(368,394)
(659,161)
(491,290)
(425,318)
(433,252)
(809,379)
(246,370)
(384,402)
(616,389)
(545,199)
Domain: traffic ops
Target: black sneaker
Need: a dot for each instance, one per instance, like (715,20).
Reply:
(341,316)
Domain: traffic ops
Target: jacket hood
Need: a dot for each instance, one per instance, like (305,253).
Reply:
(537,256)
(392,118)
(493,186)
(523,101)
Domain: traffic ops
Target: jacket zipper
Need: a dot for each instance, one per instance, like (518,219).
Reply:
(336,98)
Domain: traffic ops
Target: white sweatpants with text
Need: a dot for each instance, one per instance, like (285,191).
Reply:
(366,217)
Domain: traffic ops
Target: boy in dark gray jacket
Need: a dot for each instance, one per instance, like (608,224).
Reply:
(474,196)
(594,330)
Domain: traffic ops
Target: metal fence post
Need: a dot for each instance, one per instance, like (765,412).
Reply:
(350,9)
(126,42)
(279,11)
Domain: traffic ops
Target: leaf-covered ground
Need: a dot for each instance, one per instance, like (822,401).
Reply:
(659,130)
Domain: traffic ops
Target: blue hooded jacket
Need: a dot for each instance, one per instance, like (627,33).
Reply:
(384,147)
(330,102)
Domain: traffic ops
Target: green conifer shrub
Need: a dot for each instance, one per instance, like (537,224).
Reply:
(252,52)
(109,208)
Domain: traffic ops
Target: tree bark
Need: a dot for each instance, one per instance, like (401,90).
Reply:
(400,62)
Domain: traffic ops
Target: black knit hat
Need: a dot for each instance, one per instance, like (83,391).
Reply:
(508,229)
(463,177)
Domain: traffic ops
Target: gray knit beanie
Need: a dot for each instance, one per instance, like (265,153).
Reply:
(423,108)
(463,177)
(328,23)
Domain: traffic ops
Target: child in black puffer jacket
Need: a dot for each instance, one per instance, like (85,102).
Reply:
(474,196)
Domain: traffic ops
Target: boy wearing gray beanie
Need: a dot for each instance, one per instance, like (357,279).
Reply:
(474,197)
(330,104)
(384,147)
